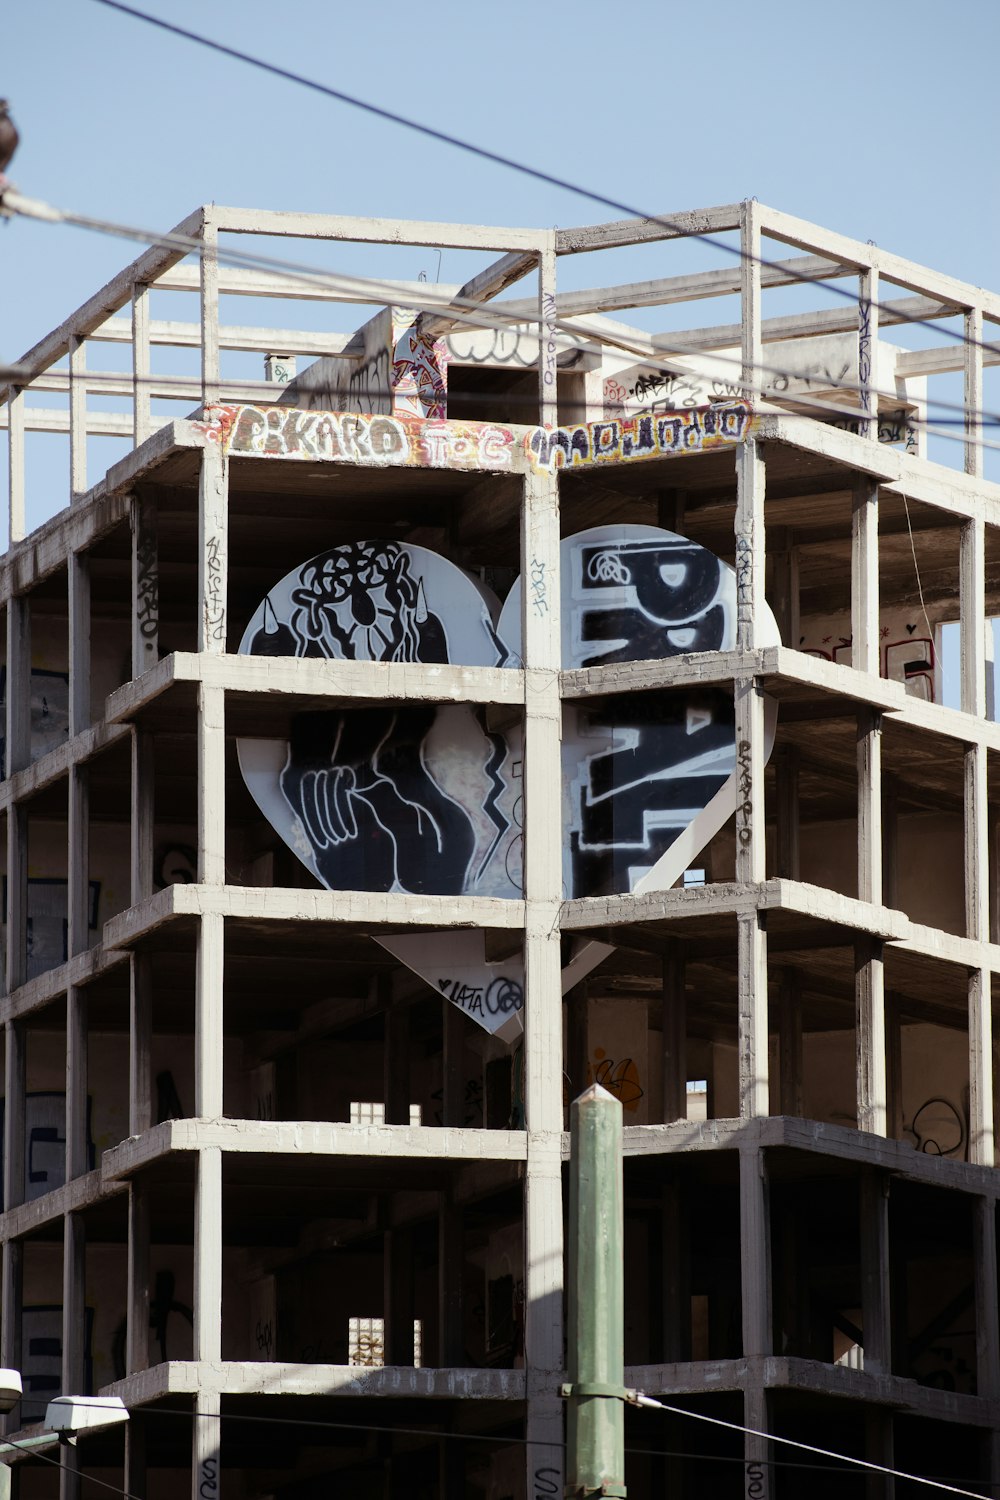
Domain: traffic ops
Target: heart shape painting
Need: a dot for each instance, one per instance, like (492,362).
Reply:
(402,796)
(426,798)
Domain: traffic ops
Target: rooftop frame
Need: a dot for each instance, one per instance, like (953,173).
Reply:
(825,256)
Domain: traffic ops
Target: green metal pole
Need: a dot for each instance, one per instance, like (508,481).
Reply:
(596,1428)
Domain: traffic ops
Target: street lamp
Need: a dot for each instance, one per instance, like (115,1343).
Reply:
(64,1418)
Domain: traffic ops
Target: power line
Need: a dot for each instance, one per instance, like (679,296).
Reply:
(491,315)
(485,154)
(772,1437)
(459,309)
(32,1452)
(852,1465)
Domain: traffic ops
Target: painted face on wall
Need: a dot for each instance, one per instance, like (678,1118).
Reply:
(360,602)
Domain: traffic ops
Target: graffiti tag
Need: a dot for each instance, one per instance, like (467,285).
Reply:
(642,437)
(360,438)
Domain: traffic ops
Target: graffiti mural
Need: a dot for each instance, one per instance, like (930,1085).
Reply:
(419,368)
(415,798)
(642,769)
(426,799)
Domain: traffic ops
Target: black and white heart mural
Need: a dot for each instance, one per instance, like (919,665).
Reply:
(426,799)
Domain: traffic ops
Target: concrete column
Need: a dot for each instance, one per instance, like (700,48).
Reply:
(755,1266)
(206,1479)
(543,1036)
(208,1256)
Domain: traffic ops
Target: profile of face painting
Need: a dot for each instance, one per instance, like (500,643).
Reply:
(415,798)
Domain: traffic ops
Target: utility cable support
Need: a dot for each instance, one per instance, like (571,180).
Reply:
(637,1398)
(483,152)
(461,310)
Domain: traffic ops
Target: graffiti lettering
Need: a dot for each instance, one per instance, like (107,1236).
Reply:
(147,583)
(649,599)
(549,351)
(864,345)
(726,389)
(215,609)
(659,389)
(209,1486)
(619,1078)
(264,1336)
(546,1482)
(744,808)
(468,997)
(744,577)
(894,428)
(501,997)
(756,1485)
(368,386)
(539,588)
(504,996)
(473,1112)
(336,437)
(498,346)
(641,437)
(615,395)
(631,799)
(938,1128)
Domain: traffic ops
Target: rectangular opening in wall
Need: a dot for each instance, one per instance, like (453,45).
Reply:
(372,1112)
(366,1342)
(949,659)
(923,825)
(919,589)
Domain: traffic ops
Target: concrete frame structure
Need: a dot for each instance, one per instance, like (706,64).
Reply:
(165,557)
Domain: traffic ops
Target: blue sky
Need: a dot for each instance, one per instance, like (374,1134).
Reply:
(877,119)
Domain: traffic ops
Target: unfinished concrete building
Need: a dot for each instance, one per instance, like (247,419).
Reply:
(305,955)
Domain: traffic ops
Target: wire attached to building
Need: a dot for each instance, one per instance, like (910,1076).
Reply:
(484,154)
(473,313)
(485,315)
(636,1398)
(58,1463)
